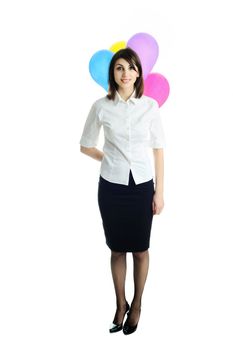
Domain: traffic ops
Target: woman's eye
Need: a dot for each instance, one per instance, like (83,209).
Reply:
(130,68)
(133,67)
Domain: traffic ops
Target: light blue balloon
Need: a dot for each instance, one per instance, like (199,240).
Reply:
(99,65)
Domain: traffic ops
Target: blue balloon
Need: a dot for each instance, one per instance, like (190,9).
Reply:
(99,65)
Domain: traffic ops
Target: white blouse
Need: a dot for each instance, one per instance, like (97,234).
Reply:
(130,127)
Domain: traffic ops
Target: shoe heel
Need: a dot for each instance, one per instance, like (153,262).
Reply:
(116,328)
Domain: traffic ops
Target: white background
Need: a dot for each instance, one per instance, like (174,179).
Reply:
(56,288)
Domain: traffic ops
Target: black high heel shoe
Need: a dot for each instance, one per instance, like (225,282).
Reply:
(118,327)
(127,328)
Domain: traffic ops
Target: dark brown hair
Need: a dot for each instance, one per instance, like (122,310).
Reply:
(132,58)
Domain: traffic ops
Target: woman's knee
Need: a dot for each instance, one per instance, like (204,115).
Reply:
(140,255)
(117,255)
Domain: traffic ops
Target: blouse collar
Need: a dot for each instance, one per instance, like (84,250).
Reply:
(132,98)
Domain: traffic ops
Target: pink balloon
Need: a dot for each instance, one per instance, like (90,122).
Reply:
(147,49)
(157,87)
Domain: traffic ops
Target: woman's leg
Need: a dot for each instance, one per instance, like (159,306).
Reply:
(141,266)
(118,268)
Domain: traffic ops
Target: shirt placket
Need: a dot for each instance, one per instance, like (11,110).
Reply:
(129,130)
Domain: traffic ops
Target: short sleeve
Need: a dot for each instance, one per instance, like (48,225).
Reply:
(91,128)
(157,137)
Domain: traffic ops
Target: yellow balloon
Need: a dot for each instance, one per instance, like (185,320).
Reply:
(118,46)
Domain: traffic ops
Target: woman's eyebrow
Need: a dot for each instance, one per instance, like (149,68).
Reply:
(119,64)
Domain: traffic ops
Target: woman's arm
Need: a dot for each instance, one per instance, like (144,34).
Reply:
(92,152)
(158,202)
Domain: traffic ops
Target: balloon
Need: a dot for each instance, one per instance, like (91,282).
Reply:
(145,45)
(118,46)
(147,49)
(99,65)
(157,87)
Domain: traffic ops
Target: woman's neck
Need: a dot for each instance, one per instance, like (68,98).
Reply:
(125,94)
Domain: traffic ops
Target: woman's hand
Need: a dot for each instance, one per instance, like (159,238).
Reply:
(157,203)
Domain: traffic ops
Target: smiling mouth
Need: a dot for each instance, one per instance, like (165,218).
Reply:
(125,80)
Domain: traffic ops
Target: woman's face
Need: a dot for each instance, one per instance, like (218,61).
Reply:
(125,74)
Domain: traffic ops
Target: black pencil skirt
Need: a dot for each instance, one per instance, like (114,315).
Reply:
(126,213)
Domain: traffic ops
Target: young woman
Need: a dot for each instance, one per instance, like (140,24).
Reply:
(128,197)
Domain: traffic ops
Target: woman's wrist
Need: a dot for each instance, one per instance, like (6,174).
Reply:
(159,190)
